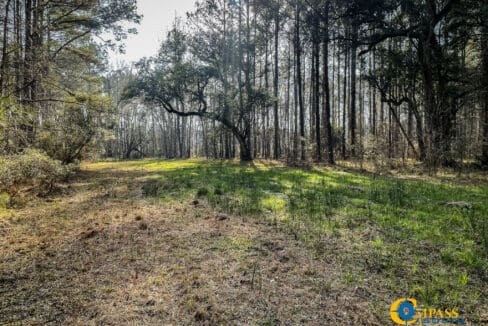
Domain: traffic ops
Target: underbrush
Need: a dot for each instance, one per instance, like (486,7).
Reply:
(31,172)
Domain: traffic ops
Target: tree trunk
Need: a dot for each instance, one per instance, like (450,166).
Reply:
(484,92)
(275,91)
(299,82)
(287,145)
(265,139)
(3,64)
(344,110)
(295,106)
(352,117)
(245,150)
(316,85)
(440,114)
(28,87)
(326,89)
(28,50)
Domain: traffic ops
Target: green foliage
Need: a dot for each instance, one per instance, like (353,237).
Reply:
(68,138)
(202,192)
(31,169)
(156,187)
(4,200)
(54,98)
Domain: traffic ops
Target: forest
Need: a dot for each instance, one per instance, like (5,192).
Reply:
(318,80)
(312,160)
(286,80)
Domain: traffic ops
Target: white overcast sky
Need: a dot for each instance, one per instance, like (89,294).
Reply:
(158,17)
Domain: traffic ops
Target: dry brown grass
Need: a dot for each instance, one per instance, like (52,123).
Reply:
(99,254)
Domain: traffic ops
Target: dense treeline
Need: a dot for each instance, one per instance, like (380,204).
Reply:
(310,79)
(284,79)
(51,59)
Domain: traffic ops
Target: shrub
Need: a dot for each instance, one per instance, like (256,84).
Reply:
(160,187)
(4,200)
(33,170)
(152,188)
(218,191)
(202,192)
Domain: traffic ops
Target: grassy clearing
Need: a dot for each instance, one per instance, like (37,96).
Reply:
(424,239)
(181,241)
(100,253)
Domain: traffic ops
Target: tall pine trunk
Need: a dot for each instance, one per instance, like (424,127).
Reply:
(325,87)
(316,84)
(352,117)
(277,151)
(298,51)
(4,61)
(344,109)
(484,55)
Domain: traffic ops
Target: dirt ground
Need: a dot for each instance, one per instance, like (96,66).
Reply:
(98,253)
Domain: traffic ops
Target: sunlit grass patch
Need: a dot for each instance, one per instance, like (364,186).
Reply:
(412,207)
(235,243)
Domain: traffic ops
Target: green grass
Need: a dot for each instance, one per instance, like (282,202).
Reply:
(396,232)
